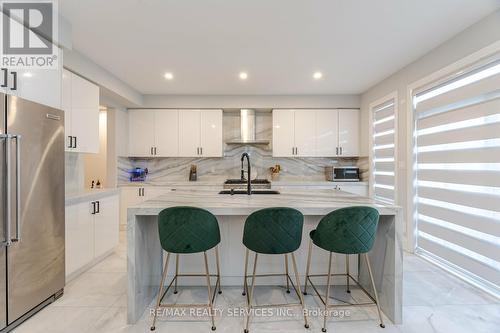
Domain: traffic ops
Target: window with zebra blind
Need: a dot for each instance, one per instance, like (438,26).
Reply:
(457,173)
(384,150)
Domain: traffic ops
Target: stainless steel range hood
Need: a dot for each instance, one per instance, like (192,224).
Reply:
(247,129)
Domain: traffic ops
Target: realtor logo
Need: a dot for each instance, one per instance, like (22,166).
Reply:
(28,33)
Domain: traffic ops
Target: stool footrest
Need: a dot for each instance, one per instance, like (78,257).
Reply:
(217,284)
(308,277)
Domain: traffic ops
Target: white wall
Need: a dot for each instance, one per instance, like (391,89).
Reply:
(472,39)
(112,85)
(96,164)
(251,101)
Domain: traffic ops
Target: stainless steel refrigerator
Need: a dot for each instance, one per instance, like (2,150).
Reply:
(31,208)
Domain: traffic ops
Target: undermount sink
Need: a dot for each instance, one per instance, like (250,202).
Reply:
(231,192)
(243,181)
(238,184)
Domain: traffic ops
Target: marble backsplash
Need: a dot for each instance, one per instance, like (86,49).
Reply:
(163,170)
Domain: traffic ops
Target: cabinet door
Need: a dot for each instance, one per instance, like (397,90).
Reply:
(66,107)
(349,132)
(39,85)
(304,133)
(84,94)
(141,132)
(79,249)
(166,129)
(151,192)
(355,189)
(189,133)
(283,133)
(211,133)
(85,127)
(106,225)
(327,124)
(129,196)
(85,114)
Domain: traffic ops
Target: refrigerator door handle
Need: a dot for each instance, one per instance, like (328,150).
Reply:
(8,202)
(18,188)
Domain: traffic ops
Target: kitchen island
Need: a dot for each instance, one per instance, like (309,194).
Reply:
(145,256)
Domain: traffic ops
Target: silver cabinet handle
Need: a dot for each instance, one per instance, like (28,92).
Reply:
(70,145)
(151,150)
(155,151)
(336,150)
(296,151)
(201,150)
(340,150)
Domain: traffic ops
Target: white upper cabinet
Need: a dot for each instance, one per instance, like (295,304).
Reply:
(171,133)
(39,85)
(293,133)
(189,133)
(166,129)
(141,133)
(327,133)
(211,133)
(80,102)
(200,133)
(315,132)
(305,144)
(153,133)
(283,133)
(348,132)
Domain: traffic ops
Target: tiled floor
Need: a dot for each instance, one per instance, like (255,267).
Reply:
(434,301)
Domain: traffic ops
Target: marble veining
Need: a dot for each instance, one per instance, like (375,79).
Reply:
(177,168)
(320,202)
(145,254)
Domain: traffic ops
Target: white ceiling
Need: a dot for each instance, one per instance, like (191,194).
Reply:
(280,43)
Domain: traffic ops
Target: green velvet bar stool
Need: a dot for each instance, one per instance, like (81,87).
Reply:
(188,230)
(346,231)
(273,231)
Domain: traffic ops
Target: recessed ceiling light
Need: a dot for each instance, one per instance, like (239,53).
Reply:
(243,75)
(317,75)
(169,76)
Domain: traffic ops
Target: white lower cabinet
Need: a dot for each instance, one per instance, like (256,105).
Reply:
(79,237)
(361,190)
(134,195)
(92,231)
(106,228)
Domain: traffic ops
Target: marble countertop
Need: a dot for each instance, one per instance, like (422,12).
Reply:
(220,182)
(88,195)
(309,202)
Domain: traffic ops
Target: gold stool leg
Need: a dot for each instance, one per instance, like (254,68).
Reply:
(250,295)
(245,287)
(176,272)
(210,305)
(301,297)
(286,277)
(218,267)
(308,266)
(327,291)
(347,272)
(374,289)
(160,292)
